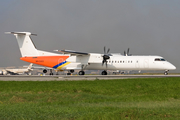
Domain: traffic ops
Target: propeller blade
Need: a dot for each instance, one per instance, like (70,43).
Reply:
(108,51)
(102,62)
(124,53)
(104,50)
(128,51)
(105,56)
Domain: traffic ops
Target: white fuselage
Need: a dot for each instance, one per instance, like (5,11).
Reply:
(119,62)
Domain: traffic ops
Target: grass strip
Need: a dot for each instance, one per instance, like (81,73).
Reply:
(140,98)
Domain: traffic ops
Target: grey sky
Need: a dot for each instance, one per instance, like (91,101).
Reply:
(148,27)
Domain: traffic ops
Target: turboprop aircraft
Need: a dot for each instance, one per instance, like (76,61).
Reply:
(73,60)
(17,71)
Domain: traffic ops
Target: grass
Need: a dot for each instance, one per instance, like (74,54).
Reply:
(143,98)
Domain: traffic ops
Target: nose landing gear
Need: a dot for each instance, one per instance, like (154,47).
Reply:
(166,72)
(104,73)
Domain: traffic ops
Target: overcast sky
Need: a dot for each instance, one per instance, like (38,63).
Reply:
(147,27)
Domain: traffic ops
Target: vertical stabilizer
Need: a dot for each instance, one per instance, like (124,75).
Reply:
(25,43)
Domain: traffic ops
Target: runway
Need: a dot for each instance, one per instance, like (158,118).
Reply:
(75,77)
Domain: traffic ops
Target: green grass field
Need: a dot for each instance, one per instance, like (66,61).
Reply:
(143,98)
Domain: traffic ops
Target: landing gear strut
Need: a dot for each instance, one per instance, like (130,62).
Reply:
(104,73)
(51,73)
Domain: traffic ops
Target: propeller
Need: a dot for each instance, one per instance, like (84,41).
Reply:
(127,54)
(105,56)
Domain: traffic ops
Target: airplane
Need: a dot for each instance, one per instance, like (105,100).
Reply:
(72,60)
(17,71)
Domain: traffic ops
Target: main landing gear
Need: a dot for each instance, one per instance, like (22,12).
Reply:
(83,66)
(104,72)
(81,72)
(51,73)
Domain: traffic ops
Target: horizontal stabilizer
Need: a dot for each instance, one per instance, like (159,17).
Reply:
(21,33)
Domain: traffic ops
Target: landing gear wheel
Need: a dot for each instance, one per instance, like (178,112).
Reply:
(81,72)
(71,71)
(68,73)
(51,74)
(104,73)
(165,73)
(44,71)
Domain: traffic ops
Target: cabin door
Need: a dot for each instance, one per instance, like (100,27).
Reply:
(146,63)
(137,63)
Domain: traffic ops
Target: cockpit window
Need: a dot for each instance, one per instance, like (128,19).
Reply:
(159,59)
(163,59)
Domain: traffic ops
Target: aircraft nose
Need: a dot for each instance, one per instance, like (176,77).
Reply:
(171,67)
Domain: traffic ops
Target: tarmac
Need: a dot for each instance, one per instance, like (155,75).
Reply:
(76,77)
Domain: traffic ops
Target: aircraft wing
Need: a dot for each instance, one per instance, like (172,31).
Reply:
(75,53)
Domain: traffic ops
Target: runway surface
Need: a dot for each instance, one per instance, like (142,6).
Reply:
(75,77)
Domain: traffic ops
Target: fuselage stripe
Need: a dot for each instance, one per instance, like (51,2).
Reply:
(60,65)
(63,65)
